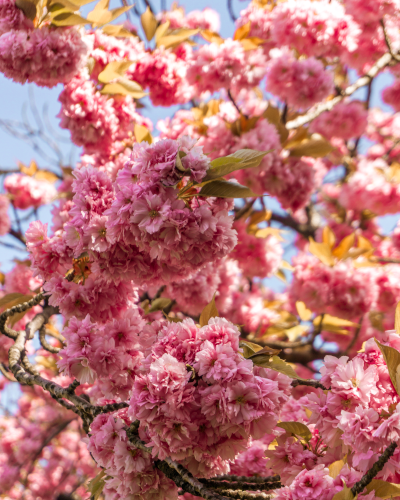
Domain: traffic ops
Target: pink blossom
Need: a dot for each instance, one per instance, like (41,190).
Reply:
(358,428)
(44,56)
(346,120)
(28,192)
(300,83)
(351,379)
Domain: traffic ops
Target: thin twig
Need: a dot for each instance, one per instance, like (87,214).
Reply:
(309,383)
(235,104)
(230,10)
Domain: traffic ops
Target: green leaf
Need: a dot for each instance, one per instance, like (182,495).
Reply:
(344,494)
(100,14)
(297,429)
(243,158)
(383,489)
(68,19)
(392,359)
(276,364)
(124,87)
(316,148)
(96,485)
(249,348)
(226,189)
(210,311)
(114,70)
(28,8)
(159,304)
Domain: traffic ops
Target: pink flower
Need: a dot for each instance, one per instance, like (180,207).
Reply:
(150,213)
(351,379)
(359,429)
(313,484)
(300,83)
(389,430)
(216,362)
(44,56)
(346,120)
(28,192)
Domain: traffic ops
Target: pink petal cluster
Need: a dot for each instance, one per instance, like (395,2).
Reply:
(346,120)
(44,56)
(165,73)
(198,399)
(342,290)
(256,256)
(299,83)
(214,67)
(26,192)
(193,294)
(312,28)
(391,95)
(369,188)
(109,351)
(206,19)
(142,231)
(130,472)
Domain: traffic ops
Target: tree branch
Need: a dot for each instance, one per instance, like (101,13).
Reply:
(287,220)
(384,61)
(377,467)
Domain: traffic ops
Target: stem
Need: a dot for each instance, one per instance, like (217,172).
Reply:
(236,106)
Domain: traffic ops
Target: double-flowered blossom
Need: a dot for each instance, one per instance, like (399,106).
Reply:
(198,400)
(299,83)
(45,56)
(226,66)
(138,229)
(346,120)
(28,192)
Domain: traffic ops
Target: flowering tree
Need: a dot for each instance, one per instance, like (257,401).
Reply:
(154,362)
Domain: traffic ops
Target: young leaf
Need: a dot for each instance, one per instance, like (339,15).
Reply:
(276,364)
(392,360)
(344,494)
(68,19)
(159,304)
(249,348)
(27,7)
(116,30)
(242,31)
(269,351)
(114,70)
(13,299)
(322,252)
(100,14)
(96,485)
(383,489)
(335,468)
(210,311)
(328,237)
(118,12)
(124,87)
(344,246)
(397,319)
(162,30)
(169,41)
(269,231)
(295,332)
(142,133)
(316,148)
(212,37)
(297,429)
(46,175)
(304,313)
(333,321)
(149,23)
(225,189)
